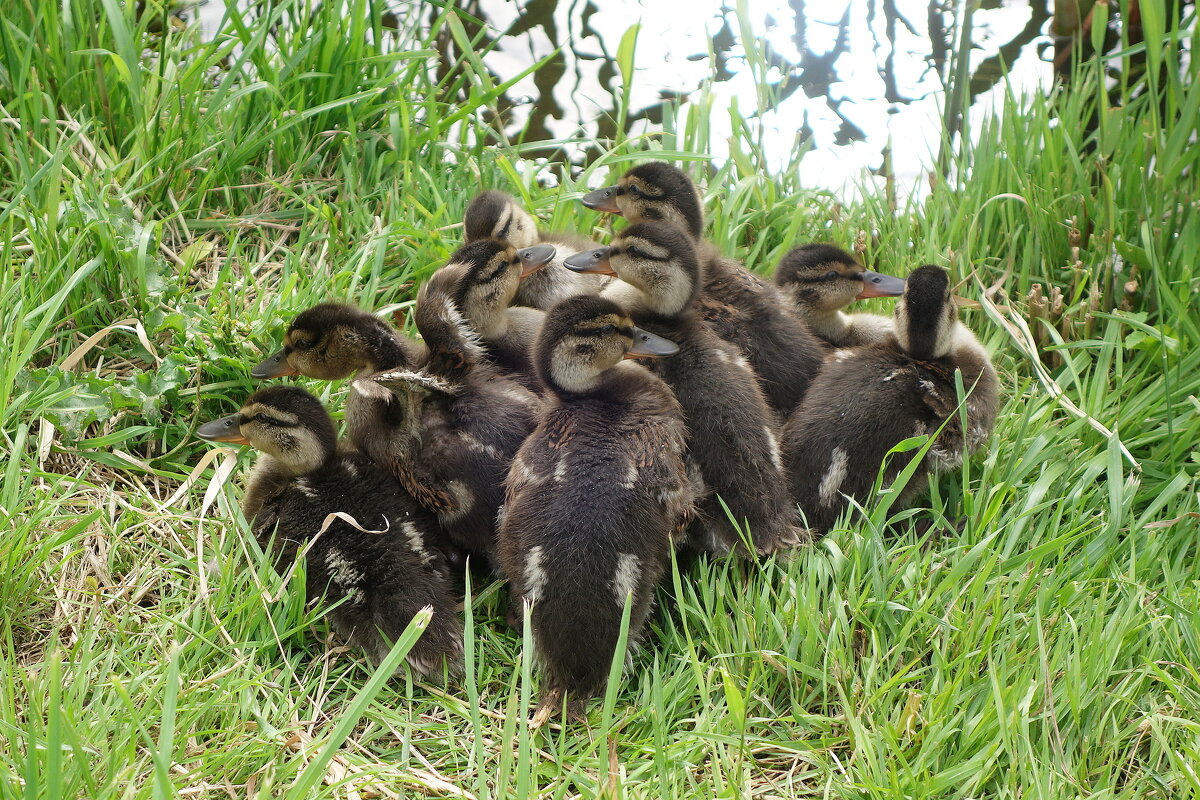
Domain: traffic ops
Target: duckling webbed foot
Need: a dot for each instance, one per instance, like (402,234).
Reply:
(788,538)
(551,705)
(515,618)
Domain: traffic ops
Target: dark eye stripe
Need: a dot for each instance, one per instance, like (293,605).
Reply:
(824,277)
(642,254)
(597,332)
(494,274)
(503,232)
(651,193)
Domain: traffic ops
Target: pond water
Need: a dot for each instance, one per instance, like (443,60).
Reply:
(854,78)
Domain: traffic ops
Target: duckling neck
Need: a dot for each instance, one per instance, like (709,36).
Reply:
(490,323)
(386,352)
(627,296)
(670,299)
(924,341)
(830,325)
(264,483)
(610,382)
(517,322)
(271,476)
(963,342)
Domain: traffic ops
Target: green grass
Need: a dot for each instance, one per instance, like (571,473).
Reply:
(1049,649)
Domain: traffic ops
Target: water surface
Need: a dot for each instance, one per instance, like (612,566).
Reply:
(848,80)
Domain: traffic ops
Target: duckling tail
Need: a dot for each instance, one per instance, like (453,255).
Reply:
(576,642)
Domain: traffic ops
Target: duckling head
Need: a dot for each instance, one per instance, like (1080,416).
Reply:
(496,215)
(657,259)
(333,341)
(655,190)
(492,271)
(825,278)
(285,422)
(585,336)
(926,315)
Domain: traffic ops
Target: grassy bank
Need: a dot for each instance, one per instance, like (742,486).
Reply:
(196,195)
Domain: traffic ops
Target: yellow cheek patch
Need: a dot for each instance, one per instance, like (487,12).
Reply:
(646,189)
(651,249)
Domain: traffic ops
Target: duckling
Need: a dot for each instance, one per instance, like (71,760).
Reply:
(380,575)
(472,419)
(492,271)
(332,341)
(401,425)
(595,497)
(742,308)
(732,434)
(868,399)
(496,215)
(821,280)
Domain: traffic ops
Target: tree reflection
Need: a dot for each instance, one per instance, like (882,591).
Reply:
(542,117)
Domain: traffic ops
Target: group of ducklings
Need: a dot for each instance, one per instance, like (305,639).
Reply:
(575,412)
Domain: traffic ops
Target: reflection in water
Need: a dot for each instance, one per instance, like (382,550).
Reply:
(856,83)
(853,80)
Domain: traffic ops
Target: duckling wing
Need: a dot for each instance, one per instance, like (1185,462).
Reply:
(657,450)
(403,382)
(722,316)
(658,465)
(939,394)
(539,457)
(423,487)
(266,520)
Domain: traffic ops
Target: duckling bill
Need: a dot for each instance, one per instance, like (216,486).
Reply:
(378,580)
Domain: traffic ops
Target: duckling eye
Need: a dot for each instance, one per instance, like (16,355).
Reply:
(608,330)
(303,344)
(832,274)
(265,420)
(633,190)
